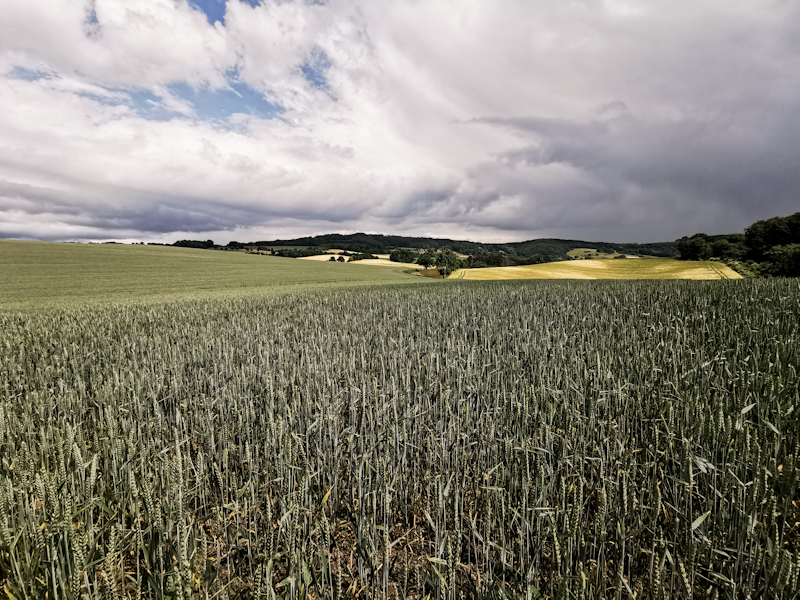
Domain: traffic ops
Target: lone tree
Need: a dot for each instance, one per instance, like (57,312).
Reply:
(427,260)
(447,262)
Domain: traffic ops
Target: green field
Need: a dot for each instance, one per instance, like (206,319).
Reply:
(628,268)
(556,439)
(42,273)
(187,423)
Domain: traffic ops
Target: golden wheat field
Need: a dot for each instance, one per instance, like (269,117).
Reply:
(651,268)
(375,262)
(319,257)
(385,262)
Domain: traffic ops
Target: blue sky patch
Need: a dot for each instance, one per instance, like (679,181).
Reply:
(28,74)
(213,9)
(207,103)
(315,67)
(145,103)
(149,106)
(91,25)
(219,104)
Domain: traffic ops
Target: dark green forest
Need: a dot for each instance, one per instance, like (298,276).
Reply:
(769,247)
(515,253)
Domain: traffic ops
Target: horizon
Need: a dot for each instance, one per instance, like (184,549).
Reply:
(288,239)
(491,122)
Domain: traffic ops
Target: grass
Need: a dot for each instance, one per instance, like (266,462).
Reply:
(432,273)
(651,268)
(46,273)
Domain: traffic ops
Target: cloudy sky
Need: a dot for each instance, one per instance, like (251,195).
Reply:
(490,120)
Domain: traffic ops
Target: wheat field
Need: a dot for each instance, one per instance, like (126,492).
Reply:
(629,268)
(524,439)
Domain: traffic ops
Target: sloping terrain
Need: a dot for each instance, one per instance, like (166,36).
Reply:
(39,273)
(650,268)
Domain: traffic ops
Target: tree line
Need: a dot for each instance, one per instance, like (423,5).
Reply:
(516,253)
(768,247)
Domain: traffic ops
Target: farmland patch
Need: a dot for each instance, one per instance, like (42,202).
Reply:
(614,268)
(42,273)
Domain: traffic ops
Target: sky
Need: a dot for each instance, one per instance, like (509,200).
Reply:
(487,120)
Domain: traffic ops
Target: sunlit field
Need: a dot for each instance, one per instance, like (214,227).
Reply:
(375,262)
(627,268)
(385,262)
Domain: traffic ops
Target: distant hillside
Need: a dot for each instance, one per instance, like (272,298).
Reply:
(532,251)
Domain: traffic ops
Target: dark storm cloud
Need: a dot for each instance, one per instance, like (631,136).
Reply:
(33,200)
(148,215)
(735,167)
(142,213)
(165,215)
